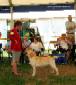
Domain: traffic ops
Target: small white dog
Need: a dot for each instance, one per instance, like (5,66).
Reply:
(36,61)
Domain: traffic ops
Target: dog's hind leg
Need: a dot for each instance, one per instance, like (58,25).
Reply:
(34,70)
(53,66)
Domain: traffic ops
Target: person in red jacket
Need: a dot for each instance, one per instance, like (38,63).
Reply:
(15,46)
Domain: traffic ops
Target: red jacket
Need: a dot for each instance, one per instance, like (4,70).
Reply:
(16,43)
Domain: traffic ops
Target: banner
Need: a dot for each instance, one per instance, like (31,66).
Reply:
(46,7)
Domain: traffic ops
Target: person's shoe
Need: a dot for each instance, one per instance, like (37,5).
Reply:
(16,74)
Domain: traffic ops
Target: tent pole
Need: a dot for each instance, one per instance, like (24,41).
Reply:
(75,19)
(11,11)
(75,7)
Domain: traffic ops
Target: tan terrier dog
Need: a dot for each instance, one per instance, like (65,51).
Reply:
(37,61)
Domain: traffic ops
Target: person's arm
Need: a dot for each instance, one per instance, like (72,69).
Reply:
(66,25)
(11,37)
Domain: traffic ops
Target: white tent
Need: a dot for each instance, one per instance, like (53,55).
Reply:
(12,15)
(26,3)
(30,2)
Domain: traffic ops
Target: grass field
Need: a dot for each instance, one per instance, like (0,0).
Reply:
(43,77)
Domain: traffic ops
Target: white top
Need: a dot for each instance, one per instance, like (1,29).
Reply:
(36,46)
(70,26)
(63,44)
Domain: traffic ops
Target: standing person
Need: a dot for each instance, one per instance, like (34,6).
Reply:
(16,46)
(70,28)
(70,31)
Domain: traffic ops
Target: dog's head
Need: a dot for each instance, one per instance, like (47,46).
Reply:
(30,53)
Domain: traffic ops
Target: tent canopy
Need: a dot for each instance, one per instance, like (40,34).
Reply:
(33,2)
(35,5)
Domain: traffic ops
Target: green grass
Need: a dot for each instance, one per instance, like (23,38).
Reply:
(6,77)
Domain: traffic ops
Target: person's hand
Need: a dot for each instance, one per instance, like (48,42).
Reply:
(23,46)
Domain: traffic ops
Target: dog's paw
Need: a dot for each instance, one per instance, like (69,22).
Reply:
(33,75)
(57,73)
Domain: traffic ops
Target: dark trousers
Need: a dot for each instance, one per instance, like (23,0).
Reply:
(24,58)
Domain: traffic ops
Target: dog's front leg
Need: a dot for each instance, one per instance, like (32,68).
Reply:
(34,71)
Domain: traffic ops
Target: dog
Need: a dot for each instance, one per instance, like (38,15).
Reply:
(38,61)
